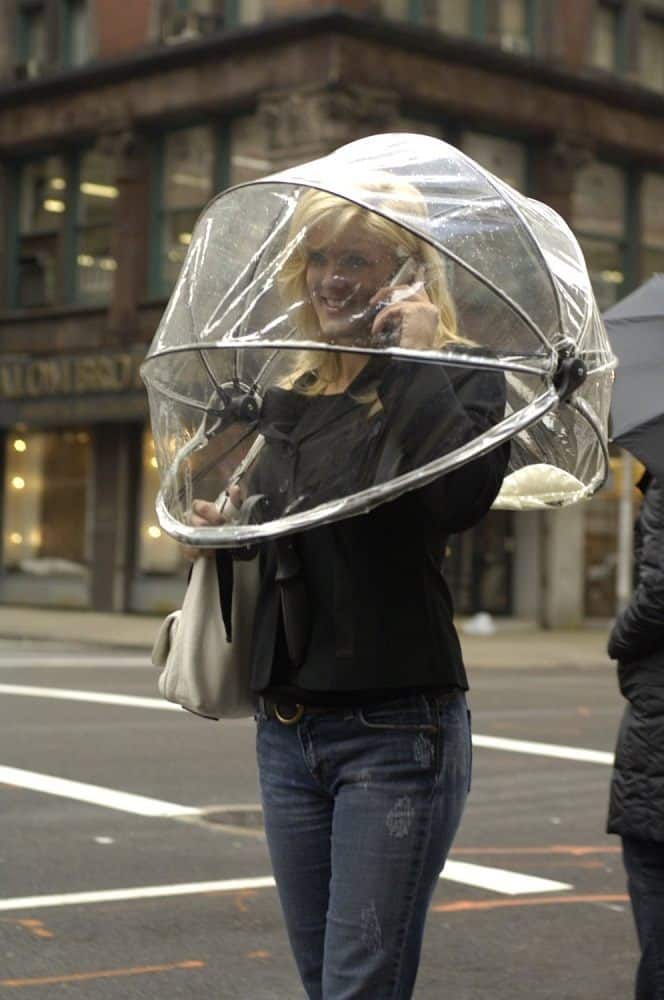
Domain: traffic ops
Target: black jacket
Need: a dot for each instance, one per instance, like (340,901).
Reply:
(380,611)
(636,806)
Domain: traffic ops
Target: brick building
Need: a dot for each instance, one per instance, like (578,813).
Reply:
(119,121)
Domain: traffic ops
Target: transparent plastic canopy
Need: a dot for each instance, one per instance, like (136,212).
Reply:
(356,327)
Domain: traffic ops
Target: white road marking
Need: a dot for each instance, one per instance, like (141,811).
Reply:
(495,879)
(557,751)
(97,697)
(544,749)
(142,892)
(92,661)
(139,805)
(499,879)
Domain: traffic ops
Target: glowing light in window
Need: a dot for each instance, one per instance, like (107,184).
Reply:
(85,260)
(16,538)
(58,183)
(613,277)
(154,531)
(54,205)
(18,482)
(184,239)
(154,463)
(35,537)
(20,445)
(99,190)
(108,264)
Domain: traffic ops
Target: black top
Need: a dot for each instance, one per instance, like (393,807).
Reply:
(636,806)
(380,612)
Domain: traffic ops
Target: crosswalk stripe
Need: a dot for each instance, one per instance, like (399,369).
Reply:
(499,879)
(557,751)
(544,749)
(139,805)
(95,697)
(494,879)
(25,660)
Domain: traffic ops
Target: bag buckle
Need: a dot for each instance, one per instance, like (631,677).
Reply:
(291,720)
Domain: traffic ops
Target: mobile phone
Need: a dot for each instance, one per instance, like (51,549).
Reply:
(405,275)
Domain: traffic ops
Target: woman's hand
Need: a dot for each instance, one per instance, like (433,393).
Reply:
(205,514)
(410,319)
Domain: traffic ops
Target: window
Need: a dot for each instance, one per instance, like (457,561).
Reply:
(248,157)
(454,16)
(607,39)
(61,252)
(508,23)
(187,183)
(42,206)
(97,193)
(157,553)
(46,502)
(75,42)
(183,20)
(503,157)
(31,41)
(515,18)
(599,211)
(191,165)
(652,232)
(651,53)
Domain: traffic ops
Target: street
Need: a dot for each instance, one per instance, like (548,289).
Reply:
(132,862)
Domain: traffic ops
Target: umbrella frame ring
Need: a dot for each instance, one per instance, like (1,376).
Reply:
(238,535)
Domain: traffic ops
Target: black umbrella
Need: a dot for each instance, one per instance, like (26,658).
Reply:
(636,330)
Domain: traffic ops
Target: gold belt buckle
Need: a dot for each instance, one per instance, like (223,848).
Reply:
(289,720)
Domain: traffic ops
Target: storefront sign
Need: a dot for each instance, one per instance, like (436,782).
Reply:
(70,376)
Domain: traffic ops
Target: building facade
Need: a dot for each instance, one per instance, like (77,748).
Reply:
(119,122)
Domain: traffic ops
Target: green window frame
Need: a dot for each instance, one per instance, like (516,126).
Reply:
(30,24)
(651,257)
(159,285)
(618,10)
(479,27)
(70,13)
(624,244)
(228,14)
(68,237)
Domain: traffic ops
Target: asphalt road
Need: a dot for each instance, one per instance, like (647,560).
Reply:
(490,935)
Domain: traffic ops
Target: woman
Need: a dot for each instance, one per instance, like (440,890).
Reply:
(363,734)
(636,807)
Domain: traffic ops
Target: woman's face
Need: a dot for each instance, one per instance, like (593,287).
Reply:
(343,271)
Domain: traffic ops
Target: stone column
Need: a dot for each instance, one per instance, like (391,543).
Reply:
(114,491)
(556,165)
(305,123)
(555,573)
(130,232)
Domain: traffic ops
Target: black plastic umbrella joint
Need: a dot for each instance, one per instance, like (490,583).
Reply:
(571,371)
(234,402)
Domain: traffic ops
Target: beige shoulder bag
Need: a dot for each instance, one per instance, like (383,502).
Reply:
(201,669)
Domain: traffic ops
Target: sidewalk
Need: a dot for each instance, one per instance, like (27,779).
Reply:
(515,644)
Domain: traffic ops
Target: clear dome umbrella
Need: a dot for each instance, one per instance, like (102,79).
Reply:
(463,309)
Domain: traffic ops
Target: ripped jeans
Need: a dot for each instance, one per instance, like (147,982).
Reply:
(361,808)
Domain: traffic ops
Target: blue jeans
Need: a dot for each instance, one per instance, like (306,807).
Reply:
(644,864)
(361,808)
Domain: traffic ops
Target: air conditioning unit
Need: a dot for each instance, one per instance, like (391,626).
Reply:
(30,69)
(183,26)
(515,43)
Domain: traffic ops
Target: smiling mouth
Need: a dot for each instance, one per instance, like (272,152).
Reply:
(335,305)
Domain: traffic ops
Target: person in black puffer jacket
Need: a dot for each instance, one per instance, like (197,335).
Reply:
(636,807)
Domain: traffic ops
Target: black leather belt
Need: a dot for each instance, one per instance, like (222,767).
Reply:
(289,713)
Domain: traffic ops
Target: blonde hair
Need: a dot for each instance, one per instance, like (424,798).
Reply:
(316,369)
